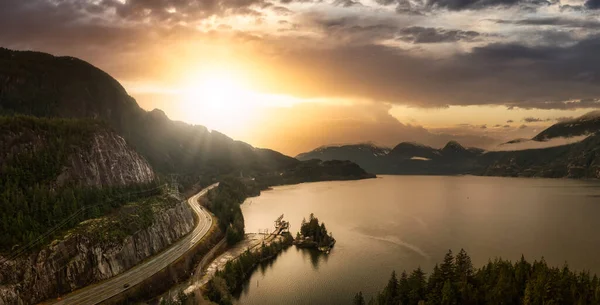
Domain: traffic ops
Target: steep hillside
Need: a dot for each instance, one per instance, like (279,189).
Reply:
(51,168)
(586,124)
(47,86)
(577,160)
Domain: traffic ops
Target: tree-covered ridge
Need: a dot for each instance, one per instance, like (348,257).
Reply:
(455,281)
(224,201)
(312,231)
(33,154)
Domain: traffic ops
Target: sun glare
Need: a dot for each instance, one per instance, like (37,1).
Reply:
(219,101)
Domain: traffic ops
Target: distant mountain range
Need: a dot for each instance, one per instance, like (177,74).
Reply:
(576,160)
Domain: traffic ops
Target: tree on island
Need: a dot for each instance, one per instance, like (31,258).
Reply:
(315,232)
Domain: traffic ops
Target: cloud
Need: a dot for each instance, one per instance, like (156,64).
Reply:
(419,7)
(509,121)
(563,118)
(458,5)
(529,144)
(533,120)
(417,34)
(351,54)
(349,29)
(553,21)
(545,77)
(592,4)
(523,126)
(346,3)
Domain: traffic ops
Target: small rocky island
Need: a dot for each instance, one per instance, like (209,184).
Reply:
(314,235)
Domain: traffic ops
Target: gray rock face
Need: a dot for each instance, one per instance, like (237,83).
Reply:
(109,161)
(76,261)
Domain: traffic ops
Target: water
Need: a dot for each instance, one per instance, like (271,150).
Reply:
(402,222)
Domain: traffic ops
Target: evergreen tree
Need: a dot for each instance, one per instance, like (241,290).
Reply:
(418,285)
(403,289)
(359,299)
(448,294)
(391,291)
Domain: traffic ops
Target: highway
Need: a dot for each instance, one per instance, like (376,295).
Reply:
(104,290)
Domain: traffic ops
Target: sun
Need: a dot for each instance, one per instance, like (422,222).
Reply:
(219,100)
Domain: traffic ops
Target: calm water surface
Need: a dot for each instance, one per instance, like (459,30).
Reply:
(402,222)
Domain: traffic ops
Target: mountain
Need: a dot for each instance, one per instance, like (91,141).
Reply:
(576,160)
(404,159)
(588,123)
(408,150)
(42,85)
(367,155)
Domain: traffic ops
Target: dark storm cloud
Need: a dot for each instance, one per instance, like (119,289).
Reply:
(167,12)
(418,34)
(458,5)
(515,75)
(182,9)
(421,6)
(592,4)
(562,105)
(509,121)
(554,21)
(348,63)
(350,29)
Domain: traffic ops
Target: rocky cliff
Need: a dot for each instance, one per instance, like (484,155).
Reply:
(108,161)
(86,153)
(79,259)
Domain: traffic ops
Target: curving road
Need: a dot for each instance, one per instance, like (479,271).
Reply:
(102,291)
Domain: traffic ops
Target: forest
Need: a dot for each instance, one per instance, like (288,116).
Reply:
(455,281)
(224,201)
(31,203)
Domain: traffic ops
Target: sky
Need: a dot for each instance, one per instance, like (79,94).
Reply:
(293,75)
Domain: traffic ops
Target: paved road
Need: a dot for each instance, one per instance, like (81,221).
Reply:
(97,293)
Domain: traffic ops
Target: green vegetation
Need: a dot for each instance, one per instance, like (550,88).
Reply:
(33,152)
(224,201)
(455,281)
(226,281)
(314,235)
(127,220)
